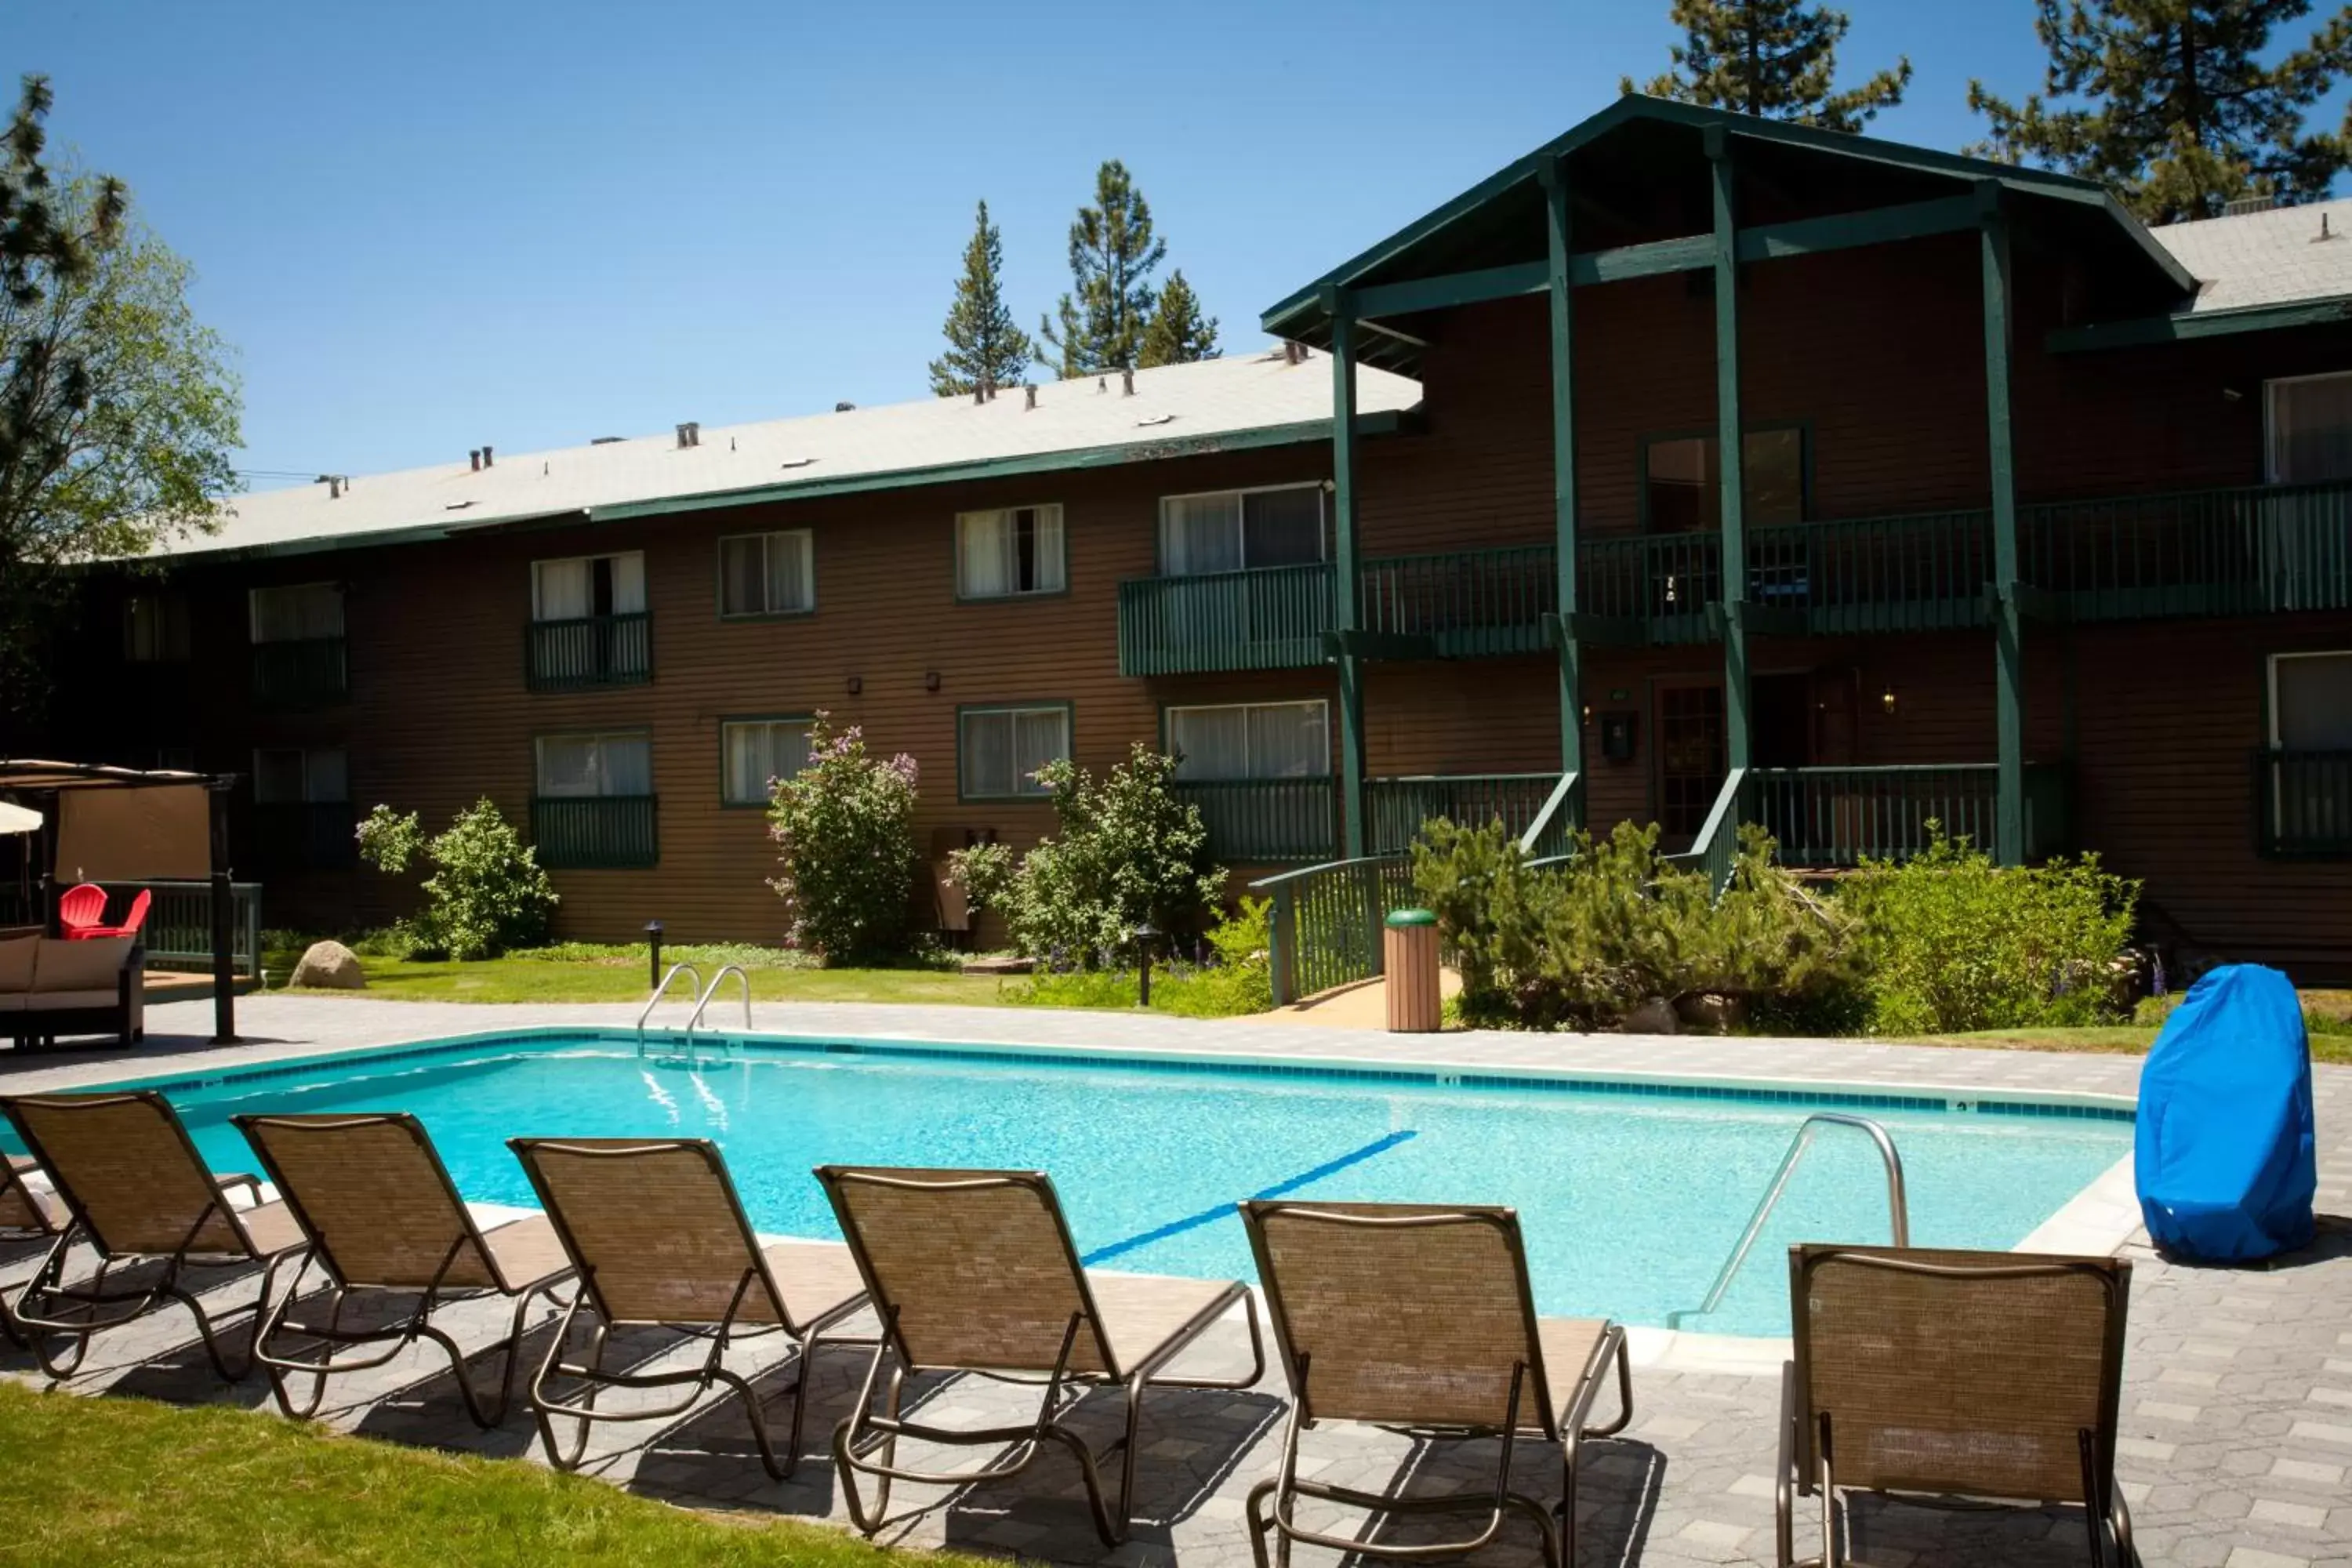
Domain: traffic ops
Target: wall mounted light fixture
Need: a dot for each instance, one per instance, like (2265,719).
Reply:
(1886,698)
(857,684)
(930,680)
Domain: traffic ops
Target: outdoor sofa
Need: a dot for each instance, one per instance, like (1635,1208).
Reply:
(50,988)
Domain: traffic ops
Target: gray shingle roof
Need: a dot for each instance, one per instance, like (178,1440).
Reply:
(2266,257)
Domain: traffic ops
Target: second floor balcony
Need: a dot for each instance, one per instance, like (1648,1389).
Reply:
(588,651)
(2251,549)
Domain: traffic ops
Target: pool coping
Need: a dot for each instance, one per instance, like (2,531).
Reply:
(2098,1220)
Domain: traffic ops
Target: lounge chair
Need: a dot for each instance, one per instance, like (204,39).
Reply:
(659,1237)
(383,1218)
(26,1214)
(1984,1374)
(975,1271)
(80,909)
(134,921)
(136,1190)
(1416,1316)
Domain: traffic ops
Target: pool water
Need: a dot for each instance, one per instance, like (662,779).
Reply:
(1629,1200)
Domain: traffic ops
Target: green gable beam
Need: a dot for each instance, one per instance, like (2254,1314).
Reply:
(1560,302)
(2008,623)
(1689,253)
(1729,454)
(2203,325)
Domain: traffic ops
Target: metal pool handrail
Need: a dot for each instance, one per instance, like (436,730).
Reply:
(703,1002)
(1898,1207)
(661,991)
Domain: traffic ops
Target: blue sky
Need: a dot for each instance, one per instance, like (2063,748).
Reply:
(425,227)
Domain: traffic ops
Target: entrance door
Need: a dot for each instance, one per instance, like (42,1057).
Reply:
(1690,760)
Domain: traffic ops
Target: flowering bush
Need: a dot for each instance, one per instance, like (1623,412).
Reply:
(487,893)
(845,833)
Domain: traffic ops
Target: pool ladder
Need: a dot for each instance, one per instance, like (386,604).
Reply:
(702,995)
(1898,1207)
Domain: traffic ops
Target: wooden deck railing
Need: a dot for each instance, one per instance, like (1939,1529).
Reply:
(588,651)
(1395,808)
(2305,801)
(1258,822)
(584,832)
(1269,619)
(303,672)
(179,928)
(1470,604)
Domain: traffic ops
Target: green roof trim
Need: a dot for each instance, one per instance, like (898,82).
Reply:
(2184,326)
(1301,308)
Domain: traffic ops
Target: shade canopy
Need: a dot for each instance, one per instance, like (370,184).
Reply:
(18,818)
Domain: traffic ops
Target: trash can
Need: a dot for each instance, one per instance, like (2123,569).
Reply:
(1410,957)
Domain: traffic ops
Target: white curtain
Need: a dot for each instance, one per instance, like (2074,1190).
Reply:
(1210,742)
(1038,738)
(595,765)
(1001,751)
(791,584)
(1200,533)
(1015,551)
(2311,430)
(762,751)
(743,576)
(1283,528)
(561,590)
(1253,740)
(296,614)
(628,764)
(985,564)
(628,583)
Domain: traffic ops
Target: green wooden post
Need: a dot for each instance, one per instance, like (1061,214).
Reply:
(1563,466)
(2008,629)
(1729,454)
(1344,593)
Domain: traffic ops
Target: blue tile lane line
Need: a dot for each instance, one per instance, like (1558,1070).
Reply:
(1291,1184)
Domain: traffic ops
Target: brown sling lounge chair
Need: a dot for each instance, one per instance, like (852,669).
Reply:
(26,1214)
(659,1237)
(975,1271)
(383,1218)
(1411,1315)
(1982,1374)
(138,1193)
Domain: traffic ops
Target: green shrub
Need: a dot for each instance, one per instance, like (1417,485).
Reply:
(1951,942)
(1582,944)
(487,892)
(1238,980)
(1123,851)
(844,832)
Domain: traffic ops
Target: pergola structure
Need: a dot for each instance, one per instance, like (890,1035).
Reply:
(127,825)
(1648,187)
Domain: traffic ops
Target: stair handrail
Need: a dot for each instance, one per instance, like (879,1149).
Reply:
(703,1002)
(681,967)
(1562,800)
(1898,1207)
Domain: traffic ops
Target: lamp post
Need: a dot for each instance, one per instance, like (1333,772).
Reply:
(653,952)
(1145,935)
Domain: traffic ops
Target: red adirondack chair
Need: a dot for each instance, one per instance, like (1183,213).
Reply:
(82,911)
(132,920)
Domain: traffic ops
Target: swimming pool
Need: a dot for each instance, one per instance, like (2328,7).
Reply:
(1630,1197)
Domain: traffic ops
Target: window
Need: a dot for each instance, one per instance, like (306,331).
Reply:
(2310,429)
(1016,550)
(155,627)
(1252,741)
(2311,701)
(587,767)
(583,585)
(998,750)
(307,612)
(2306,801)
(767,573)
(1235,531)
(290,776)
(754,751)
(1681,482)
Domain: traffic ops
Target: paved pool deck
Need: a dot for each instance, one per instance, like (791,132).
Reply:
(2237,1406)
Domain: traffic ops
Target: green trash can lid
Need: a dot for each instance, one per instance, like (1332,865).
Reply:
(1411,918)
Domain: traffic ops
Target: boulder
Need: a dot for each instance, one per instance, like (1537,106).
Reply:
(1709,1014)
(328,964)
(1655,1016)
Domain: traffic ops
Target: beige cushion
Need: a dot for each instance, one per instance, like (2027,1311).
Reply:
(58,1001)
(16,963)
(81,966)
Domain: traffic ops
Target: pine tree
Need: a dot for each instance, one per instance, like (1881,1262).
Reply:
(1774,58)
(2170,103)
(986,348)
(1179,333)
(1112,255)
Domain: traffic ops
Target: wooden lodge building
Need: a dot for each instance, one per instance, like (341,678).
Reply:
(1701,470)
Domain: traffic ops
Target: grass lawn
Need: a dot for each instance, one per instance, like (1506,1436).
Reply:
(2328,1012)
(89,1482)
(624,980)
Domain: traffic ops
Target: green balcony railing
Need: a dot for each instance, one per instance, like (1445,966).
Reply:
(1259,822)
(590,832)
(1324,928)
(1661,582)
(1838,816)
(588,651)
(2304,799)
(303,672)
(1273,619)
(1921,573)
(2247,551)
(305,836)
(1470,604)
(1395,808)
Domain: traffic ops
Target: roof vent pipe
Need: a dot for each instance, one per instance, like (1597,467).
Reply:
(843,407)
(689,434)
(1029,394)
(486,456)
(1289,352)
(334,485)
(1127,383)
(475,454)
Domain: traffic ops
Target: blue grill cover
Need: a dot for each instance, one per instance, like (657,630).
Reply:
(2225,1163)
